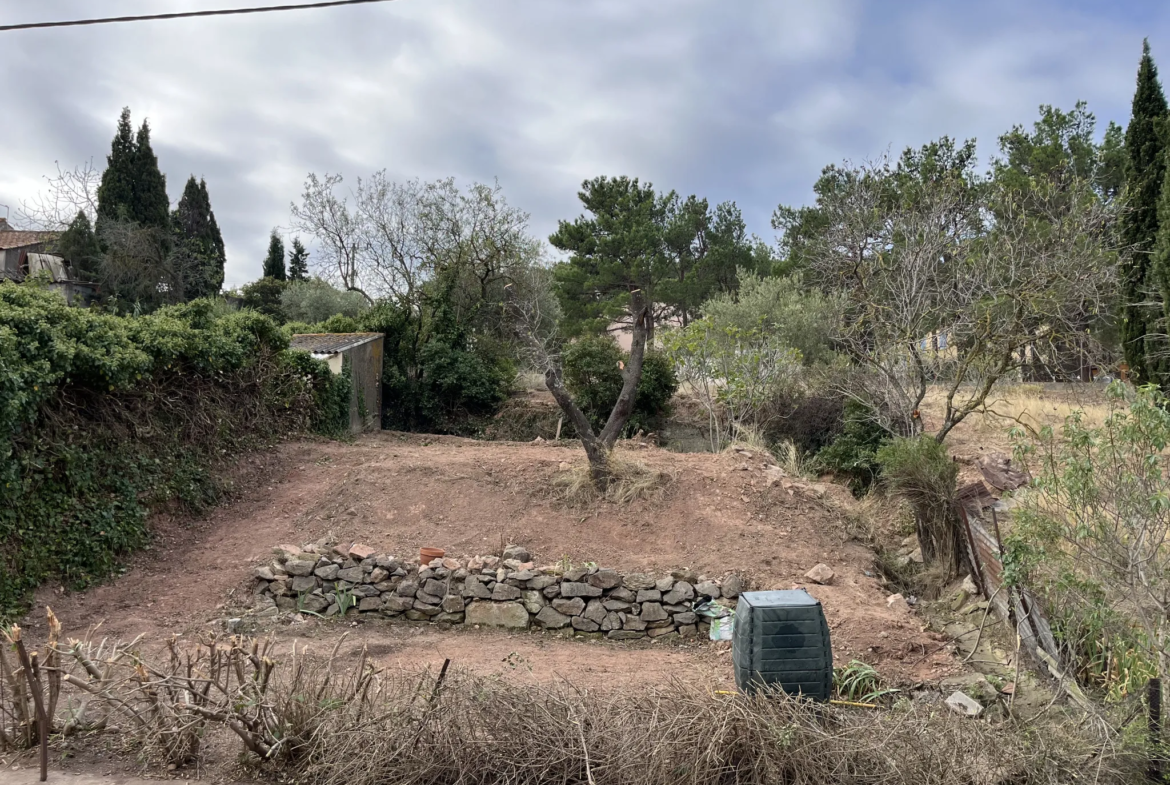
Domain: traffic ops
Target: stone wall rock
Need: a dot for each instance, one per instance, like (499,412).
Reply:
(512,592)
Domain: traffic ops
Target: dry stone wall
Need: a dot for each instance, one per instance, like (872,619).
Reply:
(510,592)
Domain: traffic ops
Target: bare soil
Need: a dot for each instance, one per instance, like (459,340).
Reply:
(398,492)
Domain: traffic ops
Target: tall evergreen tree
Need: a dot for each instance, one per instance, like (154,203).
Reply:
(298,262)
(116,191)
(1145,172)
(274,262)
(79,246)
(198,233)
(151,205)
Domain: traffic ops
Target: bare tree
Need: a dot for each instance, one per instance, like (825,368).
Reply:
(948,282)
(71,191)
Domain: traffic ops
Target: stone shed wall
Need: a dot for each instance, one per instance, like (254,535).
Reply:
(507,592)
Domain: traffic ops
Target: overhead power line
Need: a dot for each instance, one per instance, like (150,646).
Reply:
(185,15)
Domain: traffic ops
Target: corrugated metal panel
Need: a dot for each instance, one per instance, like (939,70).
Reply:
(331,343)
(55,266)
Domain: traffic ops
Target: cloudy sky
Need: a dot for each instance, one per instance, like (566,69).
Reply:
(742,99)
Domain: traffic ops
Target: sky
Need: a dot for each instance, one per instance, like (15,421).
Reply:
(743,100)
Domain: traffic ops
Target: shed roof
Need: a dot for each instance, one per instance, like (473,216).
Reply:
(21,239)
(330,343)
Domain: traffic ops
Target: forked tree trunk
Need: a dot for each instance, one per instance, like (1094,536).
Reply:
(599,445)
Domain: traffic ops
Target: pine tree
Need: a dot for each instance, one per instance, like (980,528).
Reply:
(274,262)
(116,191)
(151,205)
(198,233)
(79,246)
(298,262)
(1145,172)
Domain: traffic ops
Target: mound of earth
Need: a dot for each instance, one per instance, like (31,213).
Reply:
(397,493)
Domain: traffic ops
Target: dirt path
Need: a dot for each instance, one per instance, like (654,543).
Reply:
(398,492)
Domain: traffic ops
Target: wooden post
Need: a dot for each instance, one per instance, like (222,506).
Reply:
(1154,703)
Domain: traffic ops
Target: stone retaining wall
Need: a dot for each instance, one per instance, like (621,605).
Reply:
(507,592)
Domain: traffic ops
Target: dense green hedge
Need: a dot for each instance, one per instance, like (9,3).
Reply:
(104,417)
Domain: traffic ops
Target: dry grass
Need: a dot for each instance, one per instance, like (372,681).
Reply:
(1030,405)
(318,721)
(631,480)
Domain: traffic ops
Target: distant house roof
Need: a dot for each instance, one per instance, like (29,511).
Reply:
(13,239)
(331,343)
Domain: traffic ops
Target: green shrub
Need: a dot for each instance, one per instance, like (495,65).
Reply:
(263,296)
(315,301)
(104,417)
(594,378)
(853,454)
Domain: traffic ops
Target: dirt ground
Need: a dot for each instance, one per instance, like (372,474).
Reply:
(397,492)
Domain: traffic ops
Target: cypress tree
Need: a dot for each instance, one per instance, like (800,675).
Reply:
(151,205)
(274,262)
(1145,172)
(116,191)
(298,262)
(198,233)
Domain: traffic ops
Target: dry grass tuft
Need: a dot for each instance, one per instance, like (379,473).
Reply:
(631,480)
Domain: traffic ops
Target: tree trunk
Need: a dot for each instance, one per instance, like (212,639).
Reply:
(599,446)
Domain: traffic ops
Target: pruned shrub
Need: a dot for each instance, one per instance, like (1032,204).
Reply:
(592,368)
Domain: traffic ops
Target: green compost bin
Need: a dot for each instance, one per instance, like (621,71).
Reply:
(781,640)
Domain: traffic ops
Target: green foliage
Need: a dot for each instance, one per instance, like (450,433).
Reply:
(735,373)
(133,188)
(315,300)
(298,262)
(264,296)
(274,261)
(853,455)
(197,233)
(859,681)
(1145,173)
(592,374)
(1091,535)
(799,317)
(103,417)
(79,245)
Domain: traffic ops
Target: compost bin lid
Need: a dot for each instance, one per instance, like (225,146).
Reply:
(779,599)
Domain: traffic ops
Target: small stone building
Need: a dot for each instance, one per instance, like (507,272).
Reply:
(361,355)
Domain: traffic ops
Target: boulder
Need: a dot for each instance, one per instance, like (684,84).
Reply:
(638,580)
(573,589)
(450,618)
(821,574)
(582,624)
(451,564)
(612,622)
(386,562)
(351,574)
(604,579)
(685,618)
(517,552)
(682,592)
(551,619)
(523,575)
(437,588)
(328,572)
(616,605)
(690,576)
(377,575)
(595,611)
(673,609)
(658,632)
(427,609)
(452,604)
(428,599)
(504,592)
(302,584)
(359,552)
(473,587)
(969,586)
(708,589)
(314,603)
(543,582)
(632,622)
(569,607)
(652,611)
(733,586)
(285,552)
(301,567)
(575,573)
(365,590)
(688,631)
(265,574)
(533,601)
(511,615)
(897,602)
(396,604)
(552,591)
(370,604)
(407,588)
